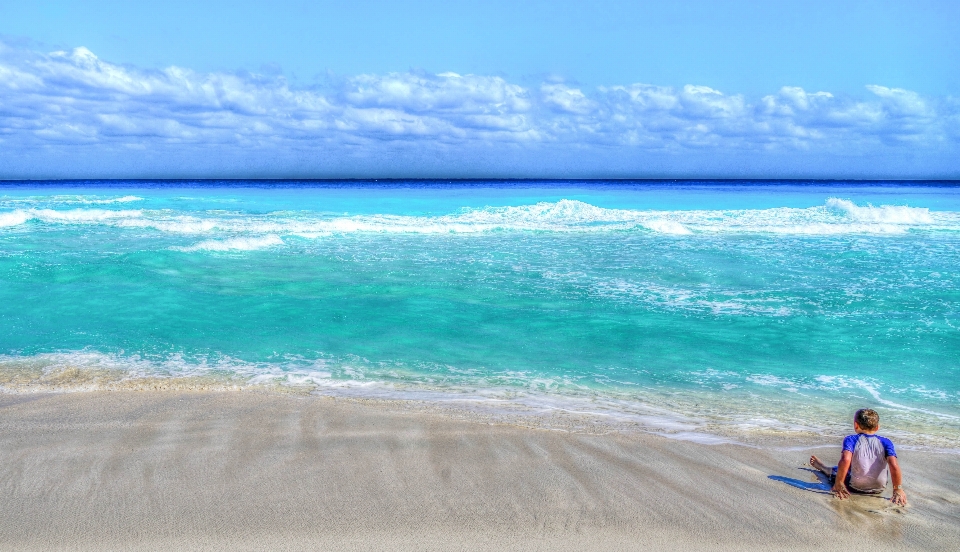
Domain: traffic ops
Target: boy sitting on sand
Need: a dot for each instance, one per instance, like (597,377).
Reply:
(864,461)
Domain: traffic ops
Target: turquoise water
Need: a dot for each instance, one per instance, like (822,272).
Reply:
(738,310)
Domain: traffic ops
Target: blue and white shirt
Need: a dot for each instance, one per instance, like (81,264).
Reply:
(868,470)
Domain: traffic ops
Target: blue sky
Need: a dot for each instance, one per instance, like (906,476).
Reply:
(463,89)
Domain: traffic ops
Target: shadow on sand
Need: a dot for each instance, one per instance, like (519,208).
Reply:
(822,486)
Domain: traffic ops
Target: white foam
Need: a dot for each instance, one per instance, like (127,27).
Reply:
(71,216)
(769,380)
(124,199)
(84,215)
(14,218)
(234,244)
(176,225)
(835,217)
(666,227)
(68,199)
(869,388)
(889,214)
(702,299)
(86,200)
(701,415)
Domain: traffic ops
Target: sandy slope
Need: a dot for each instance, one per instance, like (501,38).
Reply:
(235,471)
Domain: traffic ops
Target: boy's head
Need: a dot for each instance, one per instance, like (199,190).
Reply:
(867,419)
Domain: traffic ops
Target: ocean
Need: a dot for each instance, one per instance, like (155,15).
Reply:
(754,312)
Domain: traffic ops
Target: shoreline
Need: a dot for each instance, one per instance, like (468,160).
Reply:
(243,470)
(592,413)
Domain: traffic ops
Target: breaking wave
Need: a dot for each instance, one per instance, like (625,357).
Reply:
(885,214)
(835,217)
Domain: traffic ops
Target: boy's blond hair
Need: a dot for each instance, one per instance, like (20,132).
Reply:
(867,419)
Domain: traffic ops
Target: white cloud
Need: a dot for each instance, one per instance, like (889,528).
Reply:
(437,93)
(702,102)
(445,104)
(900,102)
(566,99)
(74,97)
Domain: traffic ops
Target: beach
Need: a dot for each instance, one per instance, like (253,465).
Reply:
(488,365)
(242,470)
(566,275)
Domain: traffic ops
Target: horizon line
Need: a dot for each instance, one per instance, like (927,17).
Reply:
(357,180)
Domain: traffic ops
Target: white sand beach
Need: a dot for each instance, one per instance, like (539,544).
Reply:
(256,471)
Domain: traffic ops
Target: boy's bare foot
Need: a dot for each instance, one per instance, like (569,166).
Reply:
(816,463)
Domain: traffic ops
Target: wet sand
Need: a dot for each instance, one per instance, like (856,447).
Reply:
(256,471)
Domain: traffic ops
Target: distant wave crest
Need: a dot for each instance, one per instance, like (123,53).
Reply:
(885,214)
(253,231)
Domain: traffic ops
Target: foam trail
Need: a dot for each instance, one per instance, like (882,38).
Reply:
(84,215)
(41,201)
(72,216)
(124,199)
(877,397)
(234,244)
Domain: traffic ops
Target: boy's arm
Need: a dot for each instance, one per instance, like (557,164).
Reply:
(899,497)
(839,487)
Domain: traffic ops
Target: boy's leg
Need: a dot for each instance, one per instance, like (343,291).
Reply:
(827,470)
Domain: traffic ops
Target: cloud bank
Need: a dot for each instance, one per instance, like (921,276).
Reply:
(71,114)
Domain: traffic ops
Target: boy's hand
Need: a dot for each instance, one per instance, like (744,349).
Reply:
(899,497)
(840,491)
